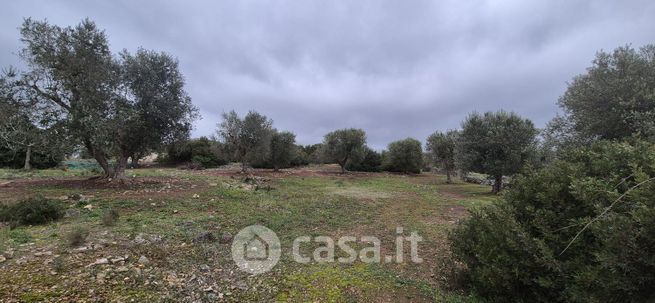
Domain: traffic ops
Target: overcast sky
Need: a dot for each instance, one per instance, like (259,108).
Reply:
(393,68)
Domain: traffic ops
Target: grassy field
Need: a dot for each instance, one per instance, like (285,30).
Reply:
(163,211)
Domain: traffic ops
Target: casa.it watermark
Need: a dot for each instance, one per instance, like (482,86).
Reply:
(256,249)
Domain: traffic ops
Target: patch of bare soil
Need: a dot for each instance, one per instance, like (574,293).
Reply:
(132,187)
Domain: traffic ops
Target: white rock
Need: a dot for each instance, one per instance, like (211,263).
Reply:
(143,260)
(2,259)
(100,261)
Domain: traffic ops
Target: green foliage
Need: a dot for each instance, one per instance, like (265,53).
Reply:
(201,151)
(77,236)
(114,106)
(516,250)
(344,146)
(39,160)
(404,156)
(282,149)
(497,144)
(32,211)
(612,100)
(371,162)
(109,217)
(247,139)
(441,150)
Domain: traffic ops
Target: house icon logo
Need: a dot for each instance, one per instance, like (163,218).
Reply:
(256,249)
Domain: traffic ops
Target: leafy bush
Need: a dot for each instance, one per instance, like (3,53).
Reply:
(201,152)
(32,211)
(110,217)
(517,250)
(38,159)
(405,156)
(77,236)
(371,162)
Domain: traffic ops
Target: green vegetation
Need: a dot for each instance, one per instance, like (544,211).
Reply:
(31,211)
(169,219)
(579,230)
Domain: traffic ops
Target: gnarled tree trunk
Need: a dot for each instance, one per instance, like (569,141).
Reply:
(498,184)
(28,157)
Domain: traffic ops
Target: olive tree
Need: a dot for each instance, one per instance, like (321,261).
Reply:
(441,150)
(22,130)
(248,139)
(344,145)
(113,105)
(404,156)
(283,149)
(496,143)
(612,100)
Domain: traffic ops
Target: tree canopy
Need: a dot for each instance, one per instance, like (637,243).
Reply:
(344,145)
(614,99)
(404,156)
(496,143)
(248,139)
(114,105)
(441,148)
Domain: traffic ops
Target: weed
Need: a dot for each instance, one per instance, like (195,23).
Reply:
(110,217)
(77,236)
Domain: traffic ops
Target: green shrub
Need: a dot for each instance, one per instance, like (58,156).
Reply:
(515,250)
(202,151)
(77,236)
(405,156)
(371,162)
(109,217)
(32,211)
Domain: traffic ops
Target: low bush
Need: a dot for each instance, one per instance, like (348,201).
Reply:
(201,152)
(371,162)
(109,217)
(32,211)
(526,249)
(77,236)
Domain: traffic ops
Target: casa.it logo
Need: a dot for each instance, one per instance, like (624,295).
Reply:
(256,249)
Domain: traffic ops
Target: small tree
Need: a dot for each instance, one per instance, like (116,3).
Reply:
(371,162)
(247,139)
(282,149)
(344,145)
(497,144)
(441,149)
(404,156)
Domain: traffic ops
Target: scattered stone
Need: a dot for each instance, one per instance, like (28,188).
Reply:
(82,249)
(72,213)
(122,269)
(139,239)
(101,261)
(9,254)
(196,196)
(225,238)
(204,268)
(100,278)
(118,259)
(88,207)
(213,184)
(175,211)
(43,253)
(204,237)
(2,259)
(143,260)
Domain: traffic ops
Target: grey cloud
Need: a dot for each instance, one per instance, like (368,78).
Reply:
(395,68)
